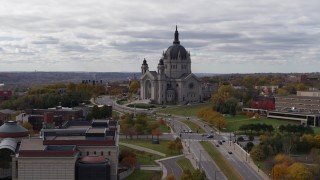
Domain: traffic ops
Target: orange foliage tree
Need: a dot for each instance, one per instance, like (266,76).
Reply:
(279,171)
(299,171)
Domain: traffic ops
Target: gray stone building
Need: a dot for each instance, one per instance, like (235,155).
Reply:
(173,82)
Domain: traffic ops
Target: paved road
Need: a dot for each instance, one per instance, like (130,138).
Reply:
(207,164)
(172,167)
(238,163)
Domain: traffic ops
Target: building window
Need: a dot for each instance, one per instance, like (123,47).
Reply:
(101,153)
(80,154)
(87,153)
(94,153)
(109,153)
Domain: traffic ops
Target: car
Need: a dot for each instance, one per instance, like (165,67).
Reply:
(230,152)
(188,118)
(223,141)
(209,136)
(220,142)
(217,145)
(190,131)
(169,114)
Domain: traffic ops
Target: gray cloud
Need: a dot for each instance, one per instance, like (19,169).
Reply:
(100,35)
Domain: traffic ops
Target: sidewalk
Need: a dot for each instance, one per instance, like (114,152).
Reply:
(143,149)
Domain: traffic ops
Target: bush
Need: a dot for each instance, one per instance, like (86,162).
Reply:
(250,114)
(240,139)
(249,146)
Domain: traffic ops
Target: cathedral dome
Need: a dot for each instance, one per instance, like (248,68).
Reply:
(176,51)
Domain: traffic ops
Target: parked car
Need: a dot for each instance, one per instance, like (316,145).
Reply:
(229,152)
(220,142)
(217,145)
(223,141)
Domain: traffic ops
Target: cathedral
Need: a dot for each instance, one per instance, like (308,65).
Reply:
(173,82)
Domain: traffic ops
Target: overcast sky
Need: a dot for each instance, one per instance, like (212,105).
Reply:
(223,36)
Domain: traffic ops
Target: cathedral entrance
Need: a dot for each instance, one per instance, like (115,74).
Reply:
(147,89)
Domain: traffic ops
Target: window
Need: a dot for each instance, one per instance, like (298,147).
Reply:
(101,153)
(94,153)
(109,153)
(87,153)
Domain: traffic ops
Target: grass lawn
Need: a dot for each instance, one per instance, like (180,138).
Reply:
(194,127)
(144,158)
(162,147)
(164,128)
(185,110)
(221,162)
(234,122)
(143,174)
(185,164)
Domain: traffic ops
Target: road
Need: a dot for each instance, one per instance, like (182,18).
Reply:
(237,162)
(191,140)
(172,167)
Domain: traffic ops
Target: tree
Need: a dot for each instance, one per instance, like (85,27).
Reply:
(257,153)
(299,171)
(170,177)
(224,101)
(156,132)
(282,92)
(28,126)
(283,158)
(134,86)
(279,171)
(95,112)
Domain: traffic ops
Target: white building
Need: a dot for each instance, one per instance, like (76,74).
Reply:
(173,83)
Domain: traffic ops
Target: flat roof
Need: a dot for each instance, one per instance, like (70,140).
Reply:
(96,130)
(32,144)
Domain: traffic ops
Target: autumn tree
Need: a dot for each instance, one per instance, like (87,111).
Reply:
(28,126)
(279,171)
(128,158)
(156,132)
(283,158)
(257,153)
(134,86)
(170,177)
(224,101)
(299,171)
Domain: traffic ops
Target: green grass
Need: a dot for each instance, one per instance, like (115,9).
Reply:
(162,147)
(316,130)
(194,127)
(143,174)
(144,158)
(234,122)
(221,162)
(185,110)
(185,164)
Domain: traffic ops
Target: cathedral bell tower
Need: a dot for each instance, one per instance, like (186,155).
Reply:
(161,67)
(144,67)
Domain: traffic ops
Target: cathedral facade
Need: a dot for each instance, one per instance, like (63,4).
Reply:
(173,82)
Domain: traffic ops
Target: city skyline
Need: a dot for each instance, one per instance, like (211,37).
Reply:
(236,36)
